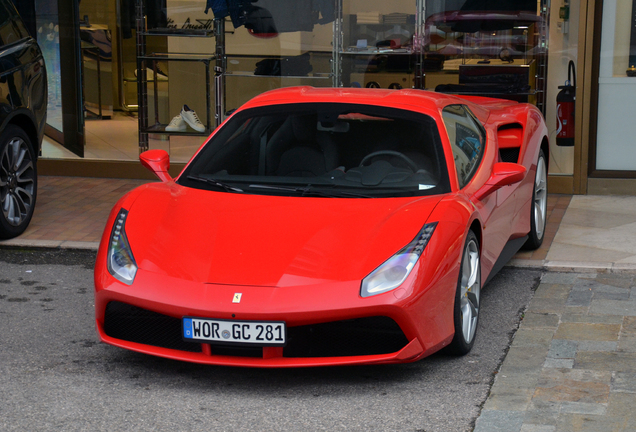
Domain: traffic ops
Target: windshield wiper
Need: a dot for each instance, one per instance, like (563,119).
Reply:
(216,183)
(312,190)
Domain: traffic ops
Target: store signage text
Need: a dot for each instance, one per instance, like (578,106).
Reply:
(205,24)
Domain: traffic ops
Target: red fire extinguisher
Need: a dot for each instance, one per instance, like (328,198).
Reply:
(565,109)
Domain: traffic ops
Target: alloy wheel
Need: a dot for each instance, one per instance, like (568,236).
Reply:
(17,181)
(540,198)
(470,291)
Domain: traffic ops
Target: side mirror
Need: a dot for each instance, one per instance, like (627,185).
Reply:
(503,174)
(157,161)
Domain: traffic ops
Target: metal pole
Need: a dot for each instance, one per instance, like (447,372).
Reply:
(336,65)
(99,85)
(142,83)
(418,44)
(219,72)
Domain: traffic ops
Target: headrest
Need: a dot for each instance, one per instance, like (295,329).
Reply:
(304,128)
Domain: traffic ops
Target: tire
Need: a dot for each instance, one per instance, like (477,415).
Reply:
(18,181)
(539,207)
(467,298)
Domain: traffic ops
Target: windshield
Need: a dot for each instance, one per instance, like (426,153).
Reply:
(323,149)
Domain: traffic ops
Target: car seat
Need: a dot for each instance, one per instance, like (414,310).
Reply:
(298,150)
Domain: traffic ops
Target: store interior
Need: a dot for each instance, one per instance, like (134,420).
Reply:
(376,50)
(117,140)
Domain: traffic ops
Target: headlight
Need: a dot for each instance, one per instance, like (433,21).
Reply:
(121,263)
(393,272)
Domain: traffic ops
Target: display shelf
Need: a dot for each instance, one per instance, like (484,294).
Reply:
(373,48)
(486,93)
(376,51)
(286,68)
(204,58)
(179,32)
(160,128)
(325,76)
(149,61)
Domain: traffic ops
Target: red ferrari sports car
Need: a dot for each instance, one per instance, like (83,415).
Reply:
(325,227)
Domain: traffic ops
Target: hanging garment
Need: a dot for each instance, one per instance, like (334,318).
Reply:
(297,15)
(327,9)
(239,10)
(285,66)
(219,8)
(263,16)
(259,21)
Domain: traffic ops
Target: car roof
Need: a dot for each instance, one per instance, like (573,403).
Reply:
(423,101)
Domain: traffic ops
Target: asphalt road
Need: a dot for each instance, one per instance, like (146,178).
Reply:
(55,375)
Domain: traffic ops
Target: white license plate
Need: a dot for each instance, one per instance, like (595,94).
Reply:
(264,333)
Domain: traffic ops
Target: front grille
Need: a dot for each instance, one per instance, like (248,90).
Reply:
(362,336)
(509,154)
(134,324)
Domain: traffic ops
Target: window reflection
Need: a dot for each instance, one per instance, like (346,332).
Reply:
(48,37)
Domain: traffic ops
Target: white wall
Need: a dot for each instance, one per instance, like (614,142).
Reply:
(616,136)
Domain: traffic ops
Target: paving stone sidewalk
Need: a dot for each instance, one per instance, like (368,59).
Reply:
(572,363)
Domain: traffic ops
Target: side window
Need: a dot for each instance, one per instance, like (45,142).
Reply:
(467,140)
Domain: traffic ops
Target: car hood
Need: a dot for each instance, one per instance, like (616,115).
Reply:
(240,239)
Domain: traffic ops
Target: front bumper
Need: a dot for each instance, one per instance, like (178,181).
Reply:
(327,323)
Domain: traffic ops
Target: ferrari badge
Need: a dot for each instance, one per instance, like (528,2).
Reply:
(237,298)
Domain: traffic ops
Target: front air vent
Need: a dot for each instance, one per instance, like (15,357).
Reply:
(509,140)
(362,336)
(134,324)
(509,155)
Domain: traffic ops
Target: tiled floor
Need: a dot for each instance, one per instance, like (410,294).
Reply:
(597,232)
(117,139)
(73,209)
(572,363)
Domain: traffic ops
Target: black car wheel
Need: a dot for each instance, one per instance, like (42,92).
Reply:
(467,298)
(18,181)
(539,209)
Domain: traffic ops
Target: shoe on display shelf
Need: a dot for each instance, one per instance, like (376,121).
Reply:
(191,118)
(176,124)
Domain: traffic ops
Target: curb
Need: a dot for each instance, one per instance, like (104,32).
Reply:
(574,266)
(50,244)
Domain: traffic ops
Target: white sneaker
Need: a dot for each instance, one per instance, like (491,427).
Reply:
(176,124)
(191,118)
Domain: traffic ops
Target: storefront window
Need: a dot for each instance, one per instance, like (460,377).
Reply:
(517,50)
(563,49)
(615,150)
(486,48)
(377,47)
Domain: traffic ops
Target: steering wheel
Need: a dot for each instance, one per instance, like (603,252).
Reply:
(402,156)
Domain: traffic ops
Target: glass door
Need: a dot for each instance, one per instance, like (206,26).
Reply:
(57,23)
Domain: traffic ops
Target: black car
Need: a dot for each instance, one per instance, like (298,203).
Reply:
(23,99)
